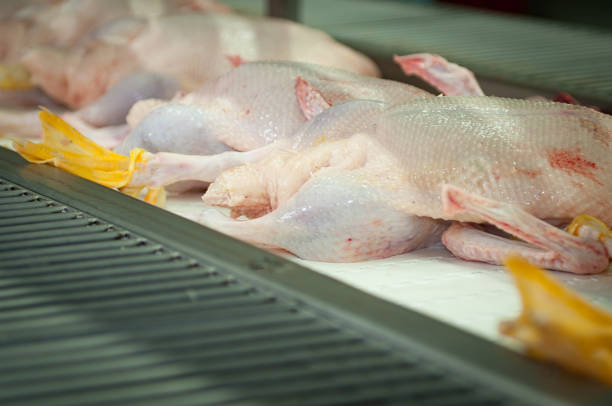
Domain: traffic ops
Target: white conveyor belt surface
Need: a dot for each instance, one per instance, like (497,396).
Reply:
(469,295)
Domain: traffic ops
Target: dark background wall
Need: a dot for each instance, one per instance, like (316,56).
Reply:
(586,12)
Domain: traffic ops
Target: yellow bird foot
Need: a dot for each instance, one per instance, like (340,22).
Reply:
(559,326)
(64,147)
(14,76)
(588,226)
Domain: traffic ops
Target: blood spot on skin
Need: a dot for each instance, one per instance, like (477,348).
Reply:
(573,163)
(599,132)
(77,99)
(248,112)
(349,239)
(529,173)
(578,185)
(495,173)
(235,60)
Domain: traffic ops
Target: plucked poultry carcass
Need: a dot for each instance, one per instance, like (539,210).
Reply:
(258,103)
(120,62)
(63,24)
(351,162)
(249,109)
(196,48)
(423,164)
(252,106)
(238,118)
(254,99)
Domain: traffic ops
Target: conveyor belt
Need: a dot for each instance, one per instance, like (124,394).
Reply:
(107,300)
(511,55)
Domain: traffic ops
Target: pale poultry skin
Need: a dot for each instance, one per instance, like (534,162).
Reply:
(430,159)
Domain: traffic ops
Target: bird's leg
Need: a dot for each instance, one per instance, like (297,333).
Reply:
(449,78)
(112,108)
(542,244)
(66,148)
(165,168)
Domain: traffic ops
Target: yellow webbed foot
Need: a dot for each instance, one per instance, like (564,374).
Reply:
(585,225)
(559,326)
(14,76)
(155,195)
(66,148)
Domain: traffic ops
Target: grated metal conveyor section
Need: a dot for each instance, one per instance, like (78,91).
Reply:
(92,313)
(106,300)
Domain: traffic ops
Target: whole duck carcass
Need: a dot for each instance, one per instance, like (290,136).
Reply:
(25,24)
(275,86)
(237,118)
(63,24)
(501,136)
(258,103)
(254,108)
(122,62)
(424,165)
(190,48)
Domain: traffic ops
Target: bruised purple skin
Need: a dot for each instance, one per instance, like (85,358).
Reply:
(102,121)
(114,105)
(175,127)
(26,98)
(333,219)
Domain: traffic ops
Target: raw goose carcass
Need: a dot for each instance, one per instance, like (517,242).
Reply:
(195,50)
(247,109)
(252,106)
(505,162)
(65,23)
(122,61)
(248,106)
(257,103)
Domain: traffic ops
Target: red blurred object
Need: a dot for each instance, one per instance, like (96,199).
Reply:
(564,97)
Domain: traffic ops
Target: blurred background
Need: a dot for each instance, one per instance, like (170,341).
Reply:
(516,48)
(590,12)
